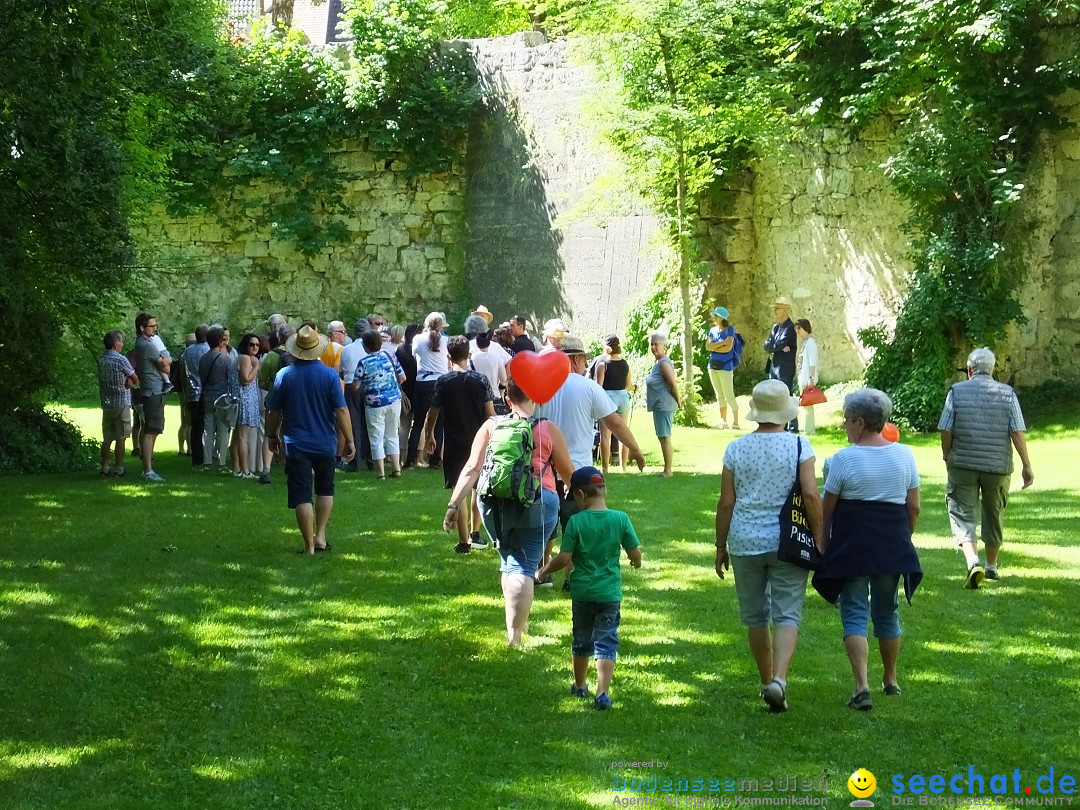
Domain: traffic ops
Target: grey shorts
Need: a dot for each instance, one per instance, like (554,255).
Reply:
(769,588)
(115,424)
(154,414)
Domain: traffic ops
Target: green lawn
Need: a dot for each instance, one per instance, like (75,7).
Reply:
(164,646)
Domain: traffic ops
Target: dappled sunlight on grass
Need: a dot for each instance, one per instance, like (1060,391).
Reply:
(181,652)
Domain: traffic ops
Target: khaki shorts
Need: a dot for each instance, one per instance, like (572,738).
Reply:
(115,424)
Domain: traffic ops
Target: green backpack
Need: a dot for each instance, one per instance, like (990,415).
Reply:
(507,475)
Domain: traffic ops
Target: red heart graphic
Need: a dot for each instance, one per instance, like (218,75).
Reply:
(890,432)
(540,375)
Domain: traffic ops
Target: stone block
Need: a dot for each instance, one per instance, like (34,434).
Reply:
(380,236)
(447,202)
(387,256)
(435,252)
(256,250)
(398,238)
(413,261)
(412,220)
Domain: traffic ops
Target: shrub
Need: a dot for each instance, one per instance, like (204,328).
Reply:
(34,440)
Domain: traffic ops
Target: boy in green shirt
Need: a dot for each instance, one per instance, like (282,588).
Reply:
(592,541)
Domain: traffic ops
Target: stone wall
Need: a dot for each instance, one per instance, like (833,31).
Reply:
(549,234)
(404,255)
(820,224)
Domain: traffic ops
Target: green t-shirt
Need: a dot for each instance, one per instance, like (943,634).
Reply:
(596,538)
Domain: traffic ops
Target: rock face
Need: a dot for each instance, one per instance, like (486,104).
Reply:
(403,256)
(821,225)
(549,234)
(533,220)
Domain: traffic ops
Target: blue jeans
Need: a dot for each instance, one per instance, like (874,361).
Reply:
(872,597)
(596,629)
(529,540)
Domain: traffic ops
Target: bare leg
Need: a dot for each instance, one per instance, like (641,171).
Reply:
(890,652)
(581,671)
(785,639)
(624,456)
(605,447)
(395,463)
(146,450)
(518,594)
(669,454)
(324,505)
(106,447)
(761,646)
(118,457)
(723,413)
(992,555)
(304,514)
(474,511)
(462,521)
(857,653)
(971,553)
(605,668)
(241,444)
(380,467)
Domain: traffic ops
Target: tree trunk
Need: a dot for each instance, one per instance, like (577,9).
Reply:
(682,239)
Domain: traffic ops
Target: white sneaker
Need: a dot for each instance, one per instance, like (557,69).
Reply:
(153,476)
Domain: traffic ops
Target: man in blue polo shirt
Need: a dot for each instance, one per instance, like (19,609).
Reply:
(305,414)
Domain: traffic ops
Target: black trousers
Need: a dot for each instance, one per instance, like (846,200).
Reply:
(196,442)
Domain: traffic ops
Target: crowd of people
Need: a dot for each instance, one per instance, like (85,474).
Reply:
(391,397)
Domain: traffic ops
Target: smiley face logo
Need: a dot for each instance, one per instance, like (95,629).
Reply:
(861,783)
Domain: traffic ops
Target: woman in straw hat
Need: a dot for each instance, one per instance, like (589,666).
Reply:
(759,470)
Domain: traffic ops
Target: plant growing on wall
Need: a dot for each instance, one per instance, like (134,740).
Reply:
(691,105)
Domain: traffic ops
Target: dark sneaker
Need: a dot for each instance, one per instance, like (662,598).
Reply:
(602,702)
(991,573)
(775,695)
(976,574)
(579,691)
(264,477)
(892,689)
(462,548)
(861,701)
(476,541)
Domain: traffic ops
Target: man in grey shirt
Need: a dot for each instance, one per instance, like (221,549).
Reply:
(214,368)
(980,426)
(152,366)
(191,357)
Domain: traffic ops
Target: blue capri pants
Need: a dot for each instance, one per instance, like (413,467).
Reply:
(530,535)
(871,598)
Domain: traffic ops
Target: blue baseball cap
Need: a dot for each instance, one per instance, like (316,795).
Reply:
(585,475)
(721,312)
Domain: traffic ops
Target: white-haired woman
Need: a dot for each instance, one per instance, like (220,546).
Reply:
(870,511)
(662,397)
(432,361)
(760,469)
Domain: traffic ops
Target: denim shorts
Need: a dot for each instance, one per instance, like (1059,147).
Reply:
(303,468)
(865,598)
(768,588)
(596,629)
(662,422)
(621,401)
(529,542)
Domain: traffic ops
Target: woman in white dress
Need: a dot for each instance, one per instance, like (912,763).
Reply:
(808,367)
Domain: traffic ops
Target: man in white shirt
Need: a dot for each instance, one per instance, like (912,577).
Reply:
(576,407)
(351,356)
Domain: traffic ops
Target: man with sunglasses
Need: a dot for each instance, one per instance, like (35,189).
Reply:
(152,366)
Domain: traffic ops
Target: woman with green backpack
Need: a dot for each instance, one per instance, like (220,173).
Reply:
(512,464)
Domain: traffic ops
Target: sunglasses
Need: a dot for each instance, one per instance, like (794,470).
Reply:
(253,345)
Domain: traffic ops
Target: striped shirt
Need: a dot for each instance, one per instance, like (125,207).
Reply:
(113,371)
(859,473)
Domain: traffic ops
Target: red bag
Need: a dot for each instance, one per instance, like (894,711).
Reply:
(812,395)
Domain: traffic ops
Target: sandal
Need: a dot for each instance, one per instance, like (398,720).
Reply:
(892,689)
(861,701)
(396,474)
(775,695)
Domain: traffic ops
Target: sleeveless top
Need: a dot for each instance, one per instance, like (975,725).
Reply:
(615,375)
(542,448)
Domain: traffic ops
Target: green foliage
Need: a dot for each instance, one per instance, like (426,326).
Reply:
(34,440)
(470,19)
(87,98)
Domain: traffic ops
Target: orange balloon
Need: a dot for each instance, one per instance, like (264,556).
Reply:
(891,432)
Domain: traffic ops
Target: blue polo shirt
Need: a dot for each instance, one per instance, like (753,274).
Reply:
(307,393)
